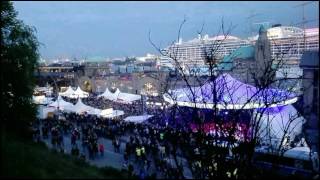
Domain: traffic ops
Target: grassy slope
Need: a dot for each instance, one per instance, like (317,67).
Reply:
(28,159)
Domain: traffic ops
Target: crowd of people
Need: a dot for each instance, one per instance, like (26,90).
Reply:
(153,148)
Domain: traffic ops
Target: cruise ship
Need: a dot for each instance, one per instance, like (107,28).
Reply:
(287,43)
(193,52)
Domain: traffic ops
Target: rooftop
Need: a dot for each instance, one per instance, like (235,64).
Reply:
(244,52)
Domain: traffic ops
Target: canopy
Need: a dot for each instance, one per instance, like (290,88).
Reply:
(115,113)
(128,98)
(41,99)
(109,95)
(230,94)
(69,92)
(274,124)
(137,119)
(78,93)
(81,108)
(63,105)
(81,94)
(302,153)
(94,111)
(120,96)
(107,111)
(43,111)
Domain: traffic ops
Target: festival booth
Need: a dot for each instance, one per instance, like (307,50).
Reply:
(80,108)
(231,94)
(278,122)
(80,94)
(47,90)
(94,111)
(44,112)
(42,100)
(128,98)
(109,95)
(137,119)
(68,93)
(63,105)
(110,113)
(120,97)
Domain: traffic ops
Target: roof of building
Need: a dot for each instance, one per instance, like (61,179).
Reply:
(310,59)
(244,52)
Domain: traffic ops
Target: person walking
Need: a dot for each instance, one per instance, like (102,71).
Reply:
(101,149)
(138,153)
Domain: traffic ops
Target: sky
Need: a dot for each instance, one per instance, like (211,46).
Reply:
(120,29)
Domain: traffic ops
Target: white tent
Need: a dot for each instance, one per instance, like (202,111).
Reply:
(109,95)
(302,153)
(106,111)
(41,100)
(43,111)
(120,96)
(81,108)
(113,114)
(63,105)
(69,92)
(81,94)
(128,98)
(94,111)
(137,119)
(274,124)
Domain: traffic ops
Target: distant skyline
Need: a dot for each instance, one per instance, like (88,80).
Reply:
(119,29)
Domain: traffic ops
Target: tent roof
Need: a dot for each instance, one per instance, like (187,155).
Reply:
(117,95)
(231,94)
(274,122)
(109,95)
(80,91)
(298,153)
(74,94)
(129,97)
(79,107)
(137,119)
(42,100)
(244,52)
(61,103)
(115,113)
(69,91)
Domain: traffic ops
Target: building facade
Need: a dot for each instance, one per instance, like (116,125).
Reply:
(310,99)
(287,44)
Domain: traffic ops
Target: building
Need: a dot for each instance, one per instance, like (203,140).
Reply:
(288,43)
(58,75)
(310,99)
(249,63)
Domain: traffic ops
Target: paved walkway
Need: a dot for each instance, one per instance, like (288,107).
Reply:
(113,159)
